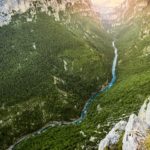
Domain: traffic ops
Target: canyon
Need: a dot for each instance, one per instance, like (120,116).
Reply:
(56,75)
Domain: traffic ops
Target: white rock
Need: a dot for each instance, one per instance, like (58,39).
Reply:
(99,108)
(135,133)
(113,136)
(144,113)
(34,45)
(98,126)
(136,130)
(92,139)
(8,8)
(82,133)
(29,19)
(65,65)
(58,80)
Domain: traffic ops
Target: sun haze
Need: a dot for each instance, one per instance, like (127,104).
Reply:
(110,3)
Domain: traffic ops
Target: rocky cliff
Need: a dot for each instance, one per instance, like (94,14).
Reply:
(131,134)
(127,10)
(9,8)
(131,8)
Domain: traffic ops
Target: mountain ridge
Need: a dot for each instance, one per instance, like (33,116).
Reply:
(51,7)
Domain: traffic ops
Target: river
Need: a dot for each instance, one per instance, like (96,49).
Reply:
(85,109)
(111,83)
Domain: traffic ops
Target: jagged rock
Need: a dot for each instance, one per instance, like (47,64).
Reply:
(144,113)
(135,133)
(120,14)
(113,136)
(10,7)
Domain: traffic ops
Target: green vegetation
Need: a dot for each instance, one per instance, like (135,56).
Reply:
(126,97)
(48,70)
(147,143)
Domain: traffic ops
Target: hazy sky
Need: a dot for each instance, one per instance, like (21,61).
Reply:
(106,2)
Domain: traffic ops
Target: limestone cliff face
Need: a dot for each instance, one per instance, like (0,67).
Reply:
(127,11)
(131,8)
(115,16)
(52,7)
(113,136)
(134,132)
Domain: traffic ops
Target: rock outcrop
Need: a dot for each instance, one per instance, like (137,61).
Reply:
(144,113)
(126,11)
(135,131)
(131,8)
(113,136)
(8,8)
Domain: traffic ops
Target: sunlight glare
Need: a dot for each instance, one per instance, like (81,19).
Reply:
(108,3)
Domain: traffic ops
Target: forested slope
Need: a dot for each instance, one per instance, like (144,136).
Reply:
(48,70)
(126,97)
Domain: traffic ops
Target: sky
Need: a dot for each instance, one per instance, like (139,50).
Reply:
(108,3)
